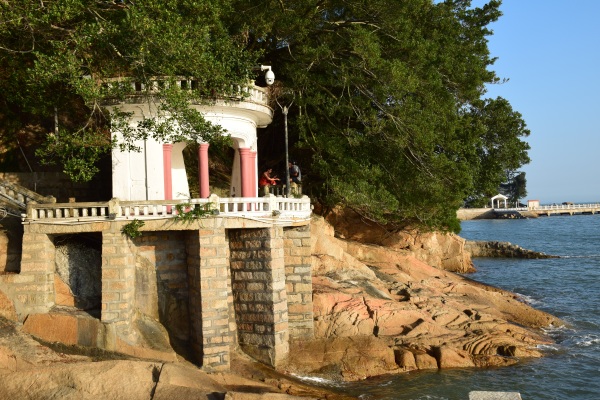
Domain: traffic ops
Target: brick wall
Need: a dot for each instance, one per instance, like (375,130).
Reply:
(11,243)
(118,274)
(33,288)
(298,280)
(259,293)
(209,291)
(162,281)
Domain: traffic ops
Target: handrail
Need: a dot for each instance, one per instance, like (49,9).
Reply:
(21,196)
(268,207)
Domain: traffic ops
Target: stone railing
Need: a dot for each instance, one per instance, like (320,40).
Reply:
(270,208)
(251,93)
(21,196)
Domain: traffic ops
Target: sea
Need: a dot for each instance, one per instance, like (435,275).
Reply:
(567,287)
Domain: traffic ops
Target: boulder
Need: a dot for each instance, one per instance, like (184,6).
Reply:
(350,358)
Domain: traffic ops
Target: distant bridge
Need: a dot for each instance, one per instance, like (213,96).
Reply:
(528,212)
(554,209)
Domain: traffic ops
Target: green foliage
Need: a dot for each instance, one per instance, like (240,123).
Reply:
(390,116)
(514,187)
(389,109)
(60,58)
(132,229)
(187,212)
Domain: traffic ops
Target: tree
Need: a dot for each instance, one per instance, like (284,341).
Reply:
(57,58)
(389,112)
(390,116)
(515,187)
(499,150)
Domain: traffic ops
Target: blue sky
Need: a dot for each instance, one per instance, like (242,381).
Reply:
(550,52)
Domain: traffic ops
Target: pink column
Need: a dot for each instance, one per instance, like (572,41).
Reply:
(246,170)
(254,174)
(167,149)
(203,171)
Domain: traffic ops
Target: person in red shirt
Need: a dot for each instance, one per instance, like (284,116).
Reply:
(266,181)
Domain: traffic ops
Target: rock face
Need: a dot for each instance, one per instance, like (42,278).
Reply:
(79,269)
(501,249)
(381,310)
(32,370)
(442,250)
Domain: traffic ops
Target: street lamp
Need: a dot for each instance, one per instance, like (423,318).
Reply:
(284,110)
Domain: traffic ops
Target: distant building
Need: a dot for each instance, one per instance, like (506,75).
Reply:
(499,199)
(533,204)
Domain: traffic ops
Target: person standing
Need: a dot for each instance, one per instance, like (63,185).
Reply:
(295,177)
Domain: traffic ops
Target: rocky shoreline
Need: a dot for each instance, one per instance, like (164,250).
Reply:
(502,249)
(383,304)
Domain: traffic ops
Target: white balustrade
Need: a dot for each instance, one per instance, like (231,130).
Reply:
(255,94)
(269,207)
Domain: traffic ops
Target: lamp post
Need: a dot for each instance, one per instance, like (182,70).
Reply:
(284,110)
(287,158)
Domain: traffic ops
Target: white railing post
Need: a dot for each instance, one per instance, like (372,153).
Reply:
(113,207)
(31,214)
(272,201)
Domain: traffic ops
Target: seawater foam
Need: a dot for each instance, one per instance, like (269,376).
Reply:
(316,380)
(587,340)
(527,299)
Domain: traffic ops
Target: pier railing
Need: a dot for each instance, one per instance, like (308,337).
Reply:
(566,207)
(554,207)
(269,208)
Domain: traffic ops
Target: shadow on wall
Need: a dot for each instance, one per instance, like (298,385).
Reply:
(161,291)
(79,265)
(11,244)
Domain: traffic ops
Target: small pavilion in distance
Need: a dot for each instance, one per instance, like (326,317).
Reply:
(497,199)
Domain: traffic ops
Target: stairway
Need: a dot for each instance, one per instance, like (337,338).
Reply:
(14,198)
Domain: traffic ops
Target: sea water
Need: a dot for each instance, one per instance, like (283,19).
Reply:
(567,287)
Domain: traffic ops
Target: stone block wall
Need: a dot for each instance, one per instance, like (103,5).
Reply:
(259,293)
(231,277)
(11,241)
(162,280)
(208,266)
(118,275)
(298,280)
(33,288)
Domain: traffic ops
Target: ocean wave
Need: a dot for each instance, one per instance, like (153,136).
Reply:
(548,347)
(554,329)
(318,380)
(587,340)
(586,256)
(527,299)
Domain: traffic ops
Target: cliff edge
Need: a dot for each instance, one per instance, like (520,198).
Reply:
(381,310)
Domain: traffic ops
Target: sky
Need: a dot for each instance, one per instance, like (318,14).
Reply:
(550,52)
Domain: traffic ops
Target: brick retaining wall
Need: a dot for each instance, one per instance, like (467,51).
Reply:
(246,282)
(259,293)
(298,279)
